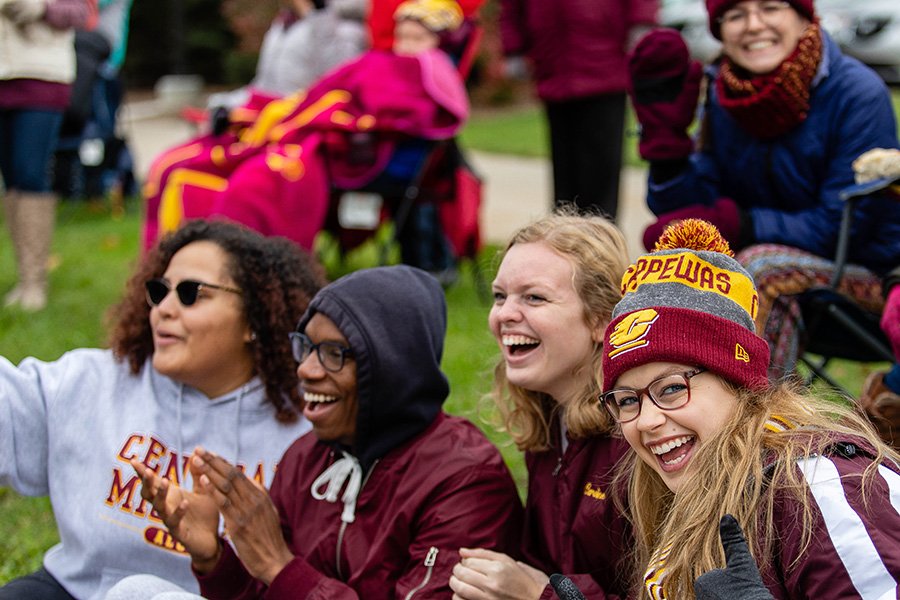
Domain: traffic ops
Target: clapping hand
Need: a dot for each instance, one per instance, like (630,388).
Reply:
(191,517)
(251,519)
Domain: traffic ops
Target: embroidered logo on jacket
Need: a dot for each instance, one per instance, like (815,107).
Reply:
(595,493)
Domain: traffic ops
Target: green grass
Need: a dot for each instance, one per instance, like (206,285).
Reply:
(523,131)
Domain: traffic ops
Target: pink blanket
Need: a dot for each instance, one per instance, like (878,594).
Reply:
(275,176)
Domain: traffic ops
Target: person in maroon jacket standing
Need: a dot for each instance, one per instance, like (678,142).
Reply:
(374,502)
(718,449)
(553,296)
(577,50)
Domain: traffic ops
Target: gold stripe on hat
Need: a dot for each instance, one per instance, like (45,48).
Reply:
(688,269)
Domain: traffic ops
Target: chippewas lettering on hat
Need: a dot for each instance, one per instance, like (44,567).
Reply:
(689,301)
(691,270)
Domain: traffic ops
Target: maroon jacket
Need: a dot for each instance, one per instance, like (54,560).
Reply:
(445,489)
(577,47)
(855,548)
(571,522)
(431,483)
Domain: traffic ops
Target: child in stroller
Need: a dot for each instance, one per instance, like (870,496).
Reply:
(276,176)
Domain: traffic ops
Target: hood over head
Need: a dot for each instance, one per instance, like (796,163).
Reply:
(395,319)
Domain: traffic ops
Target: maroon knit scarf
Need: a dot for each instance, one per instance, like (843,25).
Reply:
(770,105)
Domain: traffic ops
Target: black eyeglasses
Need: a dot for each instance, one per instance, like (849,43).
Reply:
(669,392)
(331,354)
(187,290)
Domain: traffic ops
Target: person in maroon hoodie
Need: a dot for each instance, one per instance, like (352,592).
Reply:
(553,296)
(376,500)
(577,51)
(718,449)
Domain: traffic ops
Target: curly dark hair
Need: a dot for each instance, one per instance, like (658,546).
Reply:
(278,280)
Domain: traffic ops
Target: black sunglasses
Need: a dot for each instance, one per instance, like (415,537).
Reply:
(187,290)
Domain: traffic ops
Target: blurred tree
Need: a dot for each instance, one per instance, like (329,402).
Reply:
(221,39)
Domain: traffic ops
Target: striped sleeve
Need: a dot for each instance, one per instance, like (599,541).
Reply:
(855,546)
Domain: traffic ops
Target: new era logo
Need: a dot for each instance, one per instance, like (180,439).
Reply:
(741,354)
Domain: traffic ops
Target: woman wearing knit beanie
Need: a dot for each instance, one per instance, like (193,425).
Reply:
(717,449)
(786,113)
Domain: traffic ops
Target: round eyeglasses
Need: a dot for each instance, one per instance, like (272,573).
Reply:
(187,290)
(331,355)
(769,13)
(669,392)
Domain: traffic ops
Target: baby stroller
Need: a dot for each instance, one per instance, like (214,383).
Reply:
(428,191)
(91,160)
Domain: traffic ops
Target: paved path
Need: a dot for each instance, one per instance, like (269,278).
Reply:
(517,189)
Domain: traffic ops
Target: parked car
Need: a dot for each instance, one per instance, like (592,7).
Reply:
(689,17)
(868,30)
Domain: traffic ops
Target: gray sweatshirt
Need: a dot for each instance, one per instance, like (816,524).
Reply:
(68,429)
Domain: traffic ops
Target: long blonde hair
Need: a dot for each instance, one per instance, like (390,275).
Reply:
(737,472)
(597,251)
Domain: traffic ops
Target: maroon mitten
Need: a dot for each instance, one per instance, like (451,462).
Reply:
(664,87)
(724,213)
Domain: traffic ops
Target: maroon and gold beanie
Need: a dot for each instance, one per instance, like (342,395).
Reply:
(715,9)
(689,301)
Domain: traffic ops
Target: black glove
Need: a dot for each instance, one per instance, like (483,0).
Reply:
(740,578)
(565,588)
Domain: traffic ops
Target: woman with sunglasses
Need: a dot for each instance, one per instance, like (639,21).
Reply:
(376,500)
(198,354)
(808,480)
(786,114)
(554,293)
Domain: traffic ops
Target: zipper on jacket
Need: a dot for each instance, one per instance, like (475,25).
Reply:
(340,540)
(559,463)
(430,559)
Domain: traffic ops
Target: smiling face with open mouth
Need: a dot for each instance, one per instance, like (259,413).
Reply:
(330,397)
(760,44)
(668,439)
(538,320)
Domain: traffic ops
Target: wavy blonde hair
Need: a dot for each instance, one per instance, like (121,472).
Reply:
(596,249)
(729,475)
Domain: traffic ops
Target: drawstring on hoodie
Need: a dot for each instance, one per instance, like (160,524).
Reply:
(334,478)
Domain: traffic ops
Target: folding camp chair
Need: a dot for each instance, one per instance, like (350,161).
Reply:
(836,326)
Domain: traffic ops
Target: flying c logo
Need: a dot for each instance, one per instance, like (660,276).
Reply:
(630,333)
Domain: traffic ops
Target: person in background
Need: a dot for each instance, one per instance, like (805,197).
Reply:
(37,68)
(307,39)
(786,115)
(553,297)
(577,53)
(375,501)
(380,19)
(198,355)
(717,448)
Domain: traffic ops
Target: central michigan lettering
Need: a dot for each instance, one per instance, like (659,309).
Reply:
(688,269)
